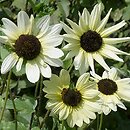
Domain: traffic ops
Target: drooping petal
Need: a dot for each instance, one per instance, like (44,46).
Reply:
(8,63)
(32,71)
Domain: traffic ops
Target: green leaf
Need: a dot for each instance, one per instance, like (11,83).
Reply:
(20,4)
(64,7)
(116,15)
(67,64)
(126,14)
(3,52)
(35,128)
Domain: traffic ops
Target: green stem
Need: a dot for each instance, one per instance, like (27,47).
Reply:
(97,121)
(15,111)
(101,120)
(35,96)
(44,119)
(70,68)
(6,96)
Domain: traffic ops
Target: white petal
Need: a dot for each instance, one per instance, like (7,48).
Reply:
(124,94)
(82,80)
(75,27)
(23,22)
(103,22)
(63,114)
(115,50)
(8,63)
(91,62)
(101,61)
(105,75)
(53,52)
(110,54)
(84,65)
(95,17)
(45,70)
(67,29)
(32,71)
(55,29)
(112,29)
(95,75)
(115,40)
(89,94)
(113,74)
(70,46)
(11,30)
(72,54)
(71,38)
(78,59)
(84,20)
(53,62)
(19,64)
(53,40)
(43,25)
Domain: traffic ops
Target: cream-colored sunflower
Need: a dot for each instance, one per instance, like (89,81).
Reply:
(76,105)
(89,40)
(112,90)
(33,43)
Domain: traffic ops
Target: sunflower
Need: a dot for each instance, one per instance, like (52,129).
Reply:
(113,90)
(89,40)
(33,43)
(75,105)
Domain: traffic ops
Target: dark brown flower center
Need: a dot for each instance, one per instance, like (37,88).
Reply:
(107,86)
(91,41)
(71,97)
(27,46)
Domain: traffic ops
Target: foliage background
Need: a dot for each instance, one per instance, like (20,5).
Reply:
(29,101)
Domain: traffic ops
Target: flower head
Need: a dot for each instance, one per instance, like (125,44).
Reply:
(76,105)
(112,90)
(33,43)
(89,40)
